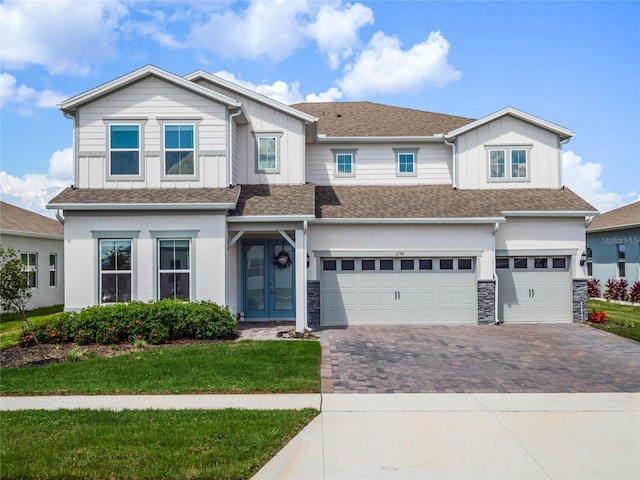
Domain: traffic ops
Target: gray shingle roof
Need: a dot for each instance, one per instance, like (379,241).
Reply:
(627,216)
(439,201)
(367,119)
(18,219)
(276,200)
(148,196)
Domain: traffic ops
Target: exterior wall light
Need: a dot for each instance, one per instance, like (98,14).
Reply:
(583,259)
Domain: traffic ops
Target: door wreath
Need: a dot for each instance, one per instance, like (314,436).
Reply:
(282,260)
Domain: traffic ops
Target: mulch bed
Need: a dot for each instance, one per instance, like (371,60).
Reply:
(48,354)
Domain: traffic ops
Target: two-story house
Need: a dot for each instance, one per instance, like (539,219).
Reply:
(324,213)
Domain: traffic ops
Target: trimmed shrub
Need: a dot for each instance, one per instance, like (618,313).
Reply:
(593,288)
(154,322)
(634,293)
(616,289)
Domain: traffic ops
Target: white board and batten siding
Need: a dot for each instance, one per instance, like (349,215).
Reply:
(375,164)
(266,119)
(152,99)
(544,154)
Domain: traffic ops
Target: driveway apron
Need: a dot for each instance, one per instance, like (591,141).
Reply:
(529,358)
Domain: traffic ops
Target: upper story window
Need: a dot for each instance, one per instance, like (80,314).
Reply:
(30,267)
(267,153)
(406,160)
(124,149)
(508,164)
(179,149)
(344,161)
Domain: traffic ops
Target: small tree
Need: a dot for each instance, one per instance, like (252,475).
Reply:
(15,292)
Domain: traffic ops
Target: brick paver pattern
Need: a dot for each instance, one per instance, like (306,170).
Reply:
(527,358)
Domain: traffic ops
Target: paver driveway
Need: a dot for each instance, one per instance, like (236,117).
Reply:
(545,358)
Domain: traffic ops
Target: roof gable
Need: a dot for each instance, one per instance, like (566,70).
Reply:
(623,217)
(369,119)
(72,103)
(246,92)
(562,132)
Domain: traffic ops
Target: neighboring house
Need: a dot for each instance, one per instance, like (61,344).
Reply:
(327,213)
(613,245)
(38,241)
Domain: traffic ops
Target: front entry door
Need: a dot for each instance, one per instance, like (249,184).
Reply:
(268,279)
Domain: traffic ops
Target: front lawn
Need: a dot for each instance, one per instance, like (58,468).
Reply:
(623,320)
(93,444)
(11,324)
(275,366)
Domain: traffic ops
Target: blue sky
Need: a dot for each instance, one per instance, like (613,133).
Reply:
(576,64)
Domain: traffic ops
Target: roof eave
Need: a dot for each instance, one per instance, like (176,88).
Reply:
(19,233)
(140,206)
(416,220)
(403,139)
(549,213)
(613,228)
(269,218)
(194,76)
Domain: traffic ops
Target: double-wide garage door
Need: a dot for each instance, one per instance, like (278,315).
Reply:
(534,289)
(360,291)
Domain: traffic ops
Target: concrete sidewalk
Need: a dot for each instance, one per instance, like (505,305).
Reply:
(466,436)
(428,436)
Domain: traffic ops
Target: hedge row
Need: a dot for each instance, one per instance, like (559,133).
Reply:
(155,322)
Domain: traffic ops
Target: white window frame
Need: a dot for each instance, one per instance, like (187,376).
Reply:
(30,268)
(621,260)
(406,151)
(276,137)
(174,270)
(337,152)
(196,164)
(508,151)
(137,122)
(102,272)
(53,268)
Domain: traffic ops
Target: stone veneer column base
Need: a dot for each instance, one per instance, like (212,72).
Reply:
(580,311)
(313,303)
(486,302)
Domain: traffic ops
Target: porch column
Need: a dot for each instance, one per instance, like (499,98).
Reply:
(301,280)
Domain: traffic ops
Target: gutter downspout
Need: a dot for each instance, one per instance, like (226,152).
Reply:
(495,275)
(74,117)
(304,285)
(230,151)
(560,144)
(59,216)
(454,163)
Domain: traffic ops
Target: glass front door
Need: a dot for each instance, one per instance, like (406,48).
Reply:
(268,279)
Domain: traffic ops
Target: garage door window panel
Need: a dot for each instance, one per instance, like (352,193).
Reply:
(539,263)
(347,265)
(425,264)
(406,264)
(446,264)
(386,264)
(368,264)
(520,263)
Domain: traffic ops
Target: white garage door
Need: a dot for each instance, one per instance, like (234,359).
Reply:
(396,291)
(534,289)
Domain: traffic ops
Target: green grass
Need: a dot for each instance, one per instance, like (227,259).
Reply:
(181,444)
(623,320)
(11,324)
(274,366)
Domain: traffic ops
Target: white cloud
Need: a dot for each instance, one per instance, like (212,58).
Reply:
(34,190)
(584,179)
(383,67)
(63,36)
(335,29)
(282,91)
(271,29)
(24,97)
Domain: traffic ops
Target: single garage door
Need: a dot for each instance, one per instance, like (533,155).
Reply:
(360,291)
(534,289)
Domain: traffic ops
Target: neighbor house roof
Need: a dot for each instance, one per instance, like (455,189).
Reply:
(278,200)
(19,221)
(145,198)
(368,119)
(443,202)
(147,71)
(623,217)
